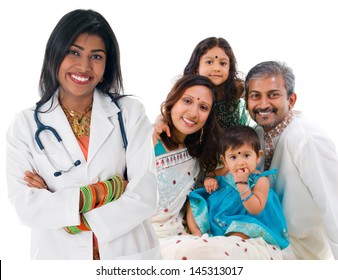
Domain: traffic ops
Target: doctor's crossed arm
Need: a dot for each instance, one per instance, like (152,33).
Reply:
(91,196)
(34,180)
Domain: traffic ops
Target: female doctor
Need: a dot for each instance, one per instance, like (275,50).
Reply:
(74,154)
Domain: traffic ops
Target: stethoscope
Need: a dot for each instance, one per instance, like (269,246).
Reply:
(42,127)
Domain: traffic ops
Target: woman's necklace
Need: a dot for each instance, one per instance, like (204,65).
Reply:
(80,123)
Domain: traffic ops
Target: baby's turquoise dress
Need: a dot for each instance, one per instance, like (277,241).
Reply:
(223,212)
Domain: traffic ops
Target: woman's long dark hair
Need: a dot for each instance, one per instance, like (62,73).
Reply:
(64,34)
(205,147)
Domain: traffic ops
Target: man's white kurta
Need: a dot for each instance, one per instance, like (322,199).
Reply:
(307,184)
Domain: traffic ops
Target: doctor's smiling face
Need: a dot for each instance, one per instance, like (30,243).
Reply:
(83,66)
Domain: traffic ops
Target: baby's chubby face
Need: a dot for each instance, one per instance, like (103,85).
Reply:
(242,159)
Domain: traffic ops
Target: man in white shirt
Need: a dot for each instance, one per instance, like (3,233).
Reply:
(307,181)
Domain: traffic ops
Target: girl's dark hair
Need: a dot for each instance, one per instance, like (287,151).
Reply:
(239,135)
(233,86)
(64,34)
(207,149)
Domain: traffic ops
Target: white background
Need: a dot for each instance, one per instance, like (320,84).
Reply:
(156,40)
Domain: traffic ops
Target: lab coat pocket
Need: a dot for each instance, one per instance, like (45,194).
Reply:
(144,240)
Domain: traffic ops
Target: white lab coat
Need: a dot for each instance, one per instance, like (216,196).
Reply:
(122,226)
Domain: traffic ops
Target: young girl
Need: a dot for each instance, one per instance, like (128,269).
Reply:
(243,205)
(189,110)
(213,58)
(75,203)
